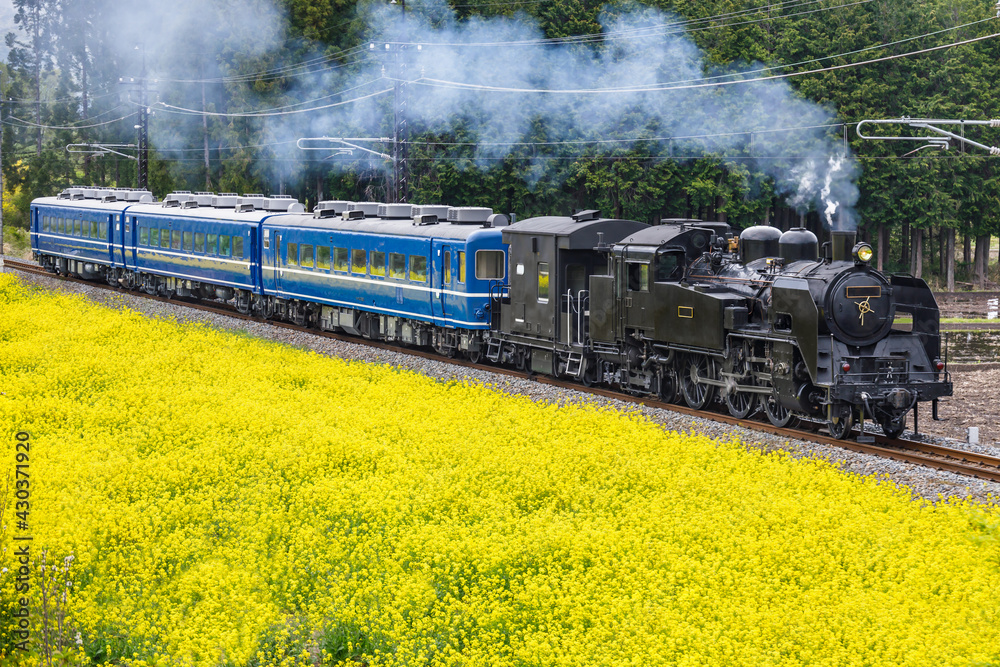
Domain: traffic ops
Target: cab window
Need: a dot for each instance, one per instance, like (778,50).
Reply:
(638,277)
(669,268)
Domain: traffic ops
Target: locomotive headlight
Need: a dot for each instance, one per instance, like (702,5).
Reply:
(863,253)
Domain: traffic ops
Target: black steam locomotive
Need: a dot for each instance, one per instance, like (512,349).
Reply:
(685,310)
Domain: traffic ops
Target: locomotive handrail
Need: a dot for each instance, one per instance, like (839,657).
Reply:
(576,315)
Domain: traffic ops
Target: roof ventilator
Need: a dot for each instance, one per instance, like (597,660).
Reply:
(353,215)
(337,206)
(584,216)
(190,203)
(225,200)
(425,219)
(395,211)
(469,214)
(370,208)
(246,207)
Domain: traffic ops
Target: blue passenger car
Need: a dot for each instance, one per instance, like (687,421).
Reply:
(406,271)
(80,231)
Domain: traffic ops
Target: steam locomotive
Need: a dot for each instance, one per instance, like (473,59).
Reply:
(684,310)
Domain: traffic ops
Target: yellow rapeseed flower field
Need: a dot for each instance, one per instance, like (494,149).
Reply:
(205,498)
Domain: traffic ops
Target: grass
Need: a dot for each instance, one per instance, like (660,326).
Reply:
(16,241)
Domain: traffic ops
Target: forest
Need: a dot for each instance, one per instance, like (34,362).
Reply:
(738,110)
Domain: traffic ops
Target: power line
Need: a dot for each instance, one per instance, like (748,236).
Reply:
(443,83)
(296,104)
(264,114)
(25,123)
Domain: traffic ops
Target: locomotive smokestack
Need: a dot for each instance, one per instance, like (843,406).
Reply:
(842,245)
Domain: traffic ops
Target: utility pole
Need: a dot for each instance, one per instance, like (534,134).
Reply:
(141,87)
(400,133)
(143,127)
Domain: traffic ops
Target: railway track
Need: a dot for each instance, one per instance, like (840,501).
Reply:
(925,454)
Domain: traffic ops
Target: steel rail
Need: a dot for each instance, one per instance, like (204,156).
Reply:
(924,454)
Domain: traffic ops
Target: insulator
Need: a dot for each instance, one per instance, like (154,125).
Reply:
(995,122)
(994,150)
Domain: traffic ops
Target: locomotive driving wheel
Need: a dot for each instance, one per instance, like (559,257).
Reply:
(741,404)
(777,413)
(697,367)
(841,420)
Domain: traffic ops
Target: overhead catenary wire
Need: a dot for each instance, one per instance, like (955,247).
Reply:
(25,123)
(699,83)
(265,114)
(678,26)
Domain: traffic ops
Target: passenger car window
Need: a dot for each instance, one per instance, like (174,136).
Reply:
(144,236)
(306,256)
(418,268)
(447,267)
(358,261)
(378,263)
(223,245)
(76,227)
(211,244)
(397,265)
(293,254)
(154,237)
(199,242)
(93,229)
(175,241)
(543,282)
(238,247)
(164,238)
(489,264)
(461,267)
(188,241)
(323,257)
(340,259)
(102,230)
